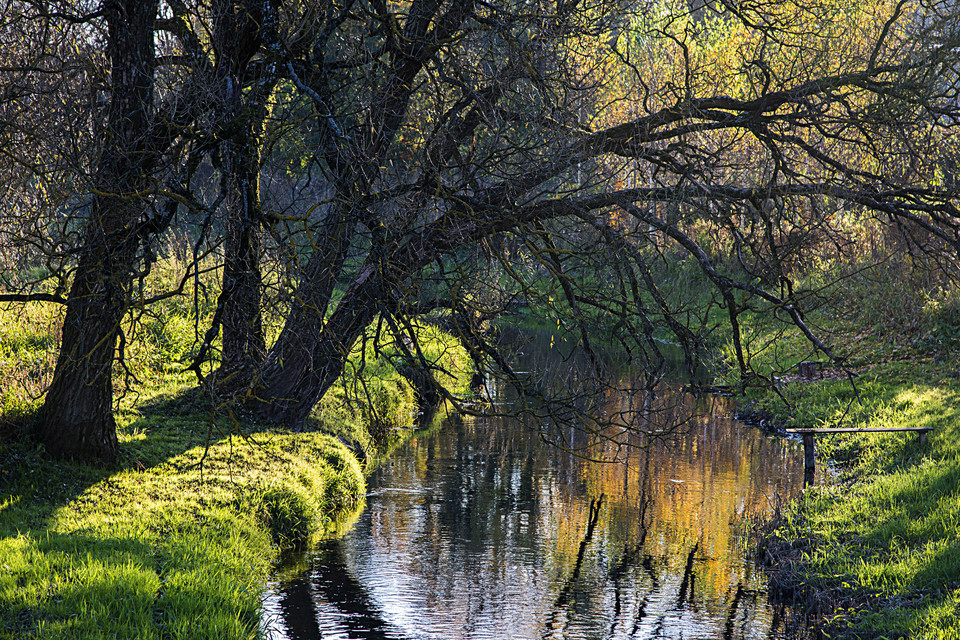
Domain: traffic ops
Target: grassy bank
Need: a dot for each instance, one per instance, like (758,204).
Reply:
(874,552)
(178,539)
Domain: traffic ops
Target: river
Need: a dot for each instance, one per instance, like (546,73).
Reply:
(478,529)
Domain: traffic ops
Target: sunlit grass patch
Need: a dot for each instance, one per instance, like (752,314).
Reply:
(178,539)
(177,548)
(884,535)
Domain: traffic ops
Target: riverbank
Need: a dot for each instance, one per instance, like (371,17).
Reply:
(178,538)
(875,551)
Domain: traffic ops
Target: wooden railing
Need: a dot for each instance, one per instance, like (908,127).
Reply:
(809,455)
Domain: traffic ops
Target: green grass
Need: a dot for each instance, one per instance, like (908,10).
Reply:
(888,525)
(880,541)
(176,542)
(177,539)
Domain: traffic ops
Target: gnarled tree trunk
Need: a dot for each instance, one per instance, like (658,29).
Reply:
(291,386)
(77,418)
(237,39)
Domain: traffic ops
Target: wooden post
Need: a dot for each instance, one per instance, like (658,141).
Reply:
(809,455)
(810,369)
(809,461)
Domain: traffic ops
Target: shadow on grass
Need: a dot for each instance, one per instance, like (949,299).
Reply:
(137,549)
(906,546)
(922,529)
(33,485)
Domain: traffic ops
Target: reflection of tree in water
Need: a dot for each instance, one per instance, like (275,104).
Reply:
(703,476)
(632,576)
(486,526)
(298,610)
(331,580)
(568,590)
(706,475)
(570,398)
(635,584)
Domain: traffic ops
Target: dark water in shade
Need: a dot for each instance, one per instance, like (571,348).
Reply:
(480,530)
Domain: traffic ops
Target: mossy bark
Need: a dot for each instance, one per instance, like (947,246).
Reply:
(76,419)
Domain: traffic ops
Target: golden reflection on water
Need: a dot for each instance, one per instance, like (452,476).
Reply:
(703,485)
(481,530)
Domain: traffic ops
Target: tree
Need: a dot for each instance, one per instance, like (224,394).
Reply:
(472,155)
(237,39)
(144,161)
(127,167)
(451,126)
(77,419)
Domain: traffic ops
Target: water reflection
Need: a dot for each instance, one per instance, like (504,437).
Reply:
(479,530)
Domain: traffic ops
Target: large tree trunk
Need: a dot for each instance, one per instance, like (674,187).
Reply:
(302,364)
(312,350)
(237,39)
(244,345)
(243,340)
(77,418)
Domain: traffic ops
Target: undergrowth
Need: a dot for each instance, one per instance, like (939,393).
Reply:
(874,551)
(178,538)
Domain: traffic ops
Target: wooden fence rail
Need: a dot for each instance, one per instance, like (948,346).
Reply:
(809,456)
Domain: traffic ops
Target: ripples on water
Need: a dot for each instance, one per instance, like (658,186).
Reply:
(479,530)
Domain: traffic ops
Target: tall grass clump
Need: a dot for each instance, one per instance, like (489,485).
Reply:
(29,341)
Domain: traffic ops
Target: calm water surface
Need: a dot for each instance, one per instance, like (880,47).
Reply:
(480,530)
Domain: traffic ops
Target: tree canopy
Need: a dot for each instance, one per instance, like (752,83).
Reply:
(353,165)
